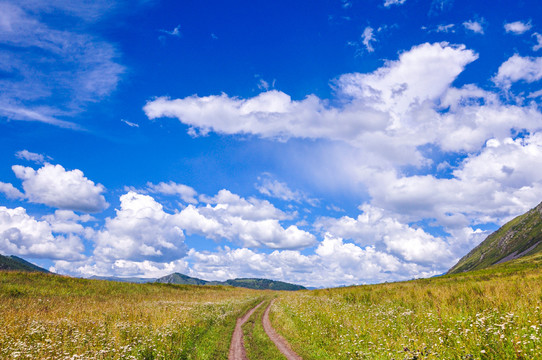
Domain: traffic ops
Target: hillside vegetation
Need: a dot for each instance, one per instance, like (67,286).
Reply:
(18,264)
(249,283)
(519,237)
(493,313)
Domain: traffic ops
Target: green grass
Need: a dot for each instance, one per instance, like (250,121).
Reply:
(257,343)
(489,314)
(54,317)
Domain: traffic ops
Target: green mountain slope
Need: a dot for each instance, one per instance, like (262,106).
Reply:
(16,263)
(258,284)
(181,279)
(519,237)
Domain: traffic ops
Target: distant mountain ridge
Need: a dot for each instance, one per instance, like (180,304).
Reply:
(258,284)
(520,237)
(17,264)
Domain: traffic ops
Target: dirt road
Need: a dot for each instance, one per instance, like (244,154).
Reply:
(279,341)
(237,349)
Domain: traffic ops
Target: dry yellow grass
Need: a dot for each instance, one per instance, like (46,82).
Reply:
(53,317)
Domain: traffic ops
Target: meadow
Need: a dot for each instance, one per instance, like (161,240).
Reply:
(494,313)
(53,317)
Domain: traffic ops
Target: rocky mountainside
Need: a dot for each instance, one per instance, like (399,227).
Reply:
(17,264)
(519,237)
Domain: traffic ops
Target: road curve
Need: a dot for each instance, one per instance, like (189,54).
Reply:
(279,341)
(237,348)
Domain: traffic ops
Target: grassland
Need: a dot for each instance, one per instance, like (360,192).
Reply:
(494,313)
(53,317)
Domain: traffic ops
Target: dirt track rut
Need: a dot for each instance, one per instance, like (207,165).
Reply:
(237,347)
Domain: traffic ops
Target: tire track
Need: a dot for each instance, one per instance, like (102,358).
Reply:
(237,348)
(279,341)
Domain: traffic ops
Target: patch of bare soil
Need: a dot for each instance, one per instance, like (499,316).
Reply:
(237,348)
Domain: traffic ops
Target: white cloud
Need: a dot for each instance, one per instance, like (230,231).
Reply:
(140,231)
(30,156)
(68,222)
(388,3)
(517,27)
(186,193)
(23,235)
(374,228)
(446,28)
(130,124)
(277,189)
(333,263)
(538,44)
(367,38)
(10,191)
(518,68)
(175,32)
(72,67)
(52,185)
(474,26)
(252,222)
(490,187)
(373,114)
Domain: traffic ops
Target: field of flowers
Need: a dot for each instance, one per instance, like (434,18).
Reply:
(54,317)
(488,314)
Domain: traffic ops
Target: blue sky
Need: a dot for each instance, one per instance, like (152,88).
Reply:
(317,142)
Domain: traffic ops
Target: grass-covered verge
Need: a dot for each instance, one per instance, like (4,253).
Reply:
(52,317)
(493,313)
(257,344)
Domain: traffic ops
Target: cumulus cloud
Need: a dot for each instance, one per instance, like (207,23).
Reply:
(252,222)
(23,235)
(517,27)
(373,114)
(387,234)
(141,230)
(333,263)
(68,222)
(185,192)
(516,68)
(52,185)
(474,26)
(71,67)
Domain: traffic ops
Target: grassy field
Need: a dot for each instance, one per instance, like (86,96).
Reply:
(53,317)
(494,313)
(488,314)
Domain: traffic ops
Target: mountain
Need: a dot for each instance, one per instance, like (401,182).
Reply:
(263,284)
(181,279)
(258,284)
(16,263)
(519,237)
(122,279)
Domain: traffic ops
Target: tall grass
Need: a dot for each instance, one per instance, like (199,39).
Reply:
(54,317)
(489,314)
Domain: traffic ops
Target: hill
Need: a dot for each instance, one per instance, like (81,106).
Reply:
(519,237)
(136,280)
(16,263)
(258,284)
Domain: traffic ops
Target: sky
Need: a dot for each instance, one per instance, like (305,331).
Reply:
(322,142)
